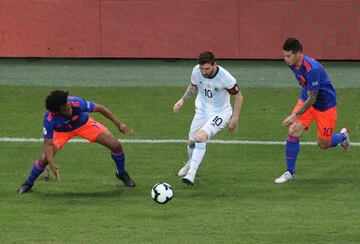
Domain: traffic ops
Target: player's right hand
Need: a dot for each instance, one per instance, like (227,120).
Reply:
(289,120)
(178,105)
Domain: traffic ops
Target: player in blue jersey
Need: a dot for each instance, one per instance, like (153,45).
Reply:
(68,117)
(317,103)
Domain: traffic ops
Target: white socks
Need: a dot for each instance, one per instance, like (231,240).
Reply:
(197,156)
(190,151)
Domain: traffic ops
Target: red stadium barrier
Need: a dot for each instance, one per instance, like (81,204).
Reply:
(328,29)
(56,28)
(233,29)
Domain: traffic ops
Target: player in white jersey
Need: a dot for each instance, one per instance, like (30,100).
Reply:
(213,110)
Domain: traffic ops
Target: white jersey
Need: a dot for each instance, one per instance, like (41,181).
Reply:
(213,96)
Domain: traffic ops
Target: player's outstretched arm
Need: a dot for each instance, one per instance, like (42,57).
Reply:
(123,128)
(238,101)
(49,156)
(307,104)
(190,91)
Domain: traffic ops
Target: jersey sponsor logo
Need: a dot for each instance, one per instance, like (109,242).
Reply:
(88,105)
(315,83)
(44,131)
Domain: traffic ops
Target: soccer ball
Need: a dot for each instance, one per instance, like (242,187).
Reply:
(162,193)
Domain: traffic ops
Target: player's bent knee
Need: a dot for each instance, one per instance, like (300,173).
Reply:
(294,131)
(43,163)
(115,145)
(43,160)
(201,136)
(108,140)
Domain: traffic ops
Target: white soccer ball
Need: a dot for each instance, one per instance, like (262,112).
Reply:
(162,192)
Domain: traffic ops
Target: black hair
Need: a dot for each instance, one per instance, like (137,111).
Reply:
(293,45)
(55,100)
(206,57)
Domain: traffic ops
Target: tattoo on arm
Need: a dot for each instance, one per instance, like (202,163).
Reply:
(189,92)
(308,103)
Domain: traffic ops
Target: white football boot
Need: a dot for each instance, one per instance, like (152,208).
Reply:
(183,171)
(287,176)
(345,143)
(189,178)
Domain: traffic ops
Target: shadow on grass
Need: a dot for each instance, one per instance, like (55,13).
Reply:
(79,194)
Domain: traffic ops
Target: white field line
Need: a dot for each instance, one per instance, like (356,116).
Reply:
(144,141)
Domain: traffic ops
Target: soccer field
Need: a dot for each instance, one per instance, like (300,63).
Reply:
(234,199)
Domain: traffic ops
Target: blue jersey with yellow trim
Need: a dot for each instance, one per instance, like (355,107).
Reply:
(80,109)
(312,77)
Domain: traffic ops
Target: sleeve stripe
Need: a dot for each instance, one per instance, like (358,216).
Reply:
(307,66)
(75,104)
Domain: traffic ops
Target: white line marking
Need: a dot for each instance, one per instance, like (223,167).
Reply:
(146,141)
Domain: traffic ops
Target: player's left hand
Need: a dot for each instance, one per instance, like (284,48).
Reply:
(123,128)
(289,120)
(233,125)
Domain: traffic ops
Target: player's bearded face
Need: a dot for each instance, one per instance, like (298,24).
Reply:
(66,110)
(291,58)
(207,70)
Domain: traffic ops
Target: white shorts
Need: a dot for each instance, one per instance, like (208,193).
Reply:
(211,124)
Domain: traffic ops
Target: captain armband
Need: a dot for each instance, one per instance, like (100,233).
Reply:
(234,90)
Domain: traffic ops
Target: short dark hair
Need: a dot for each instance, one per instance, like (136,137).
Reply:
(206,57)
(55,100)
(293,45)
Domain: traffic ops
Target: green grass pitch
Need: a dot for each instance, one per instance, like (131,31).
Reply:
(234,199)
